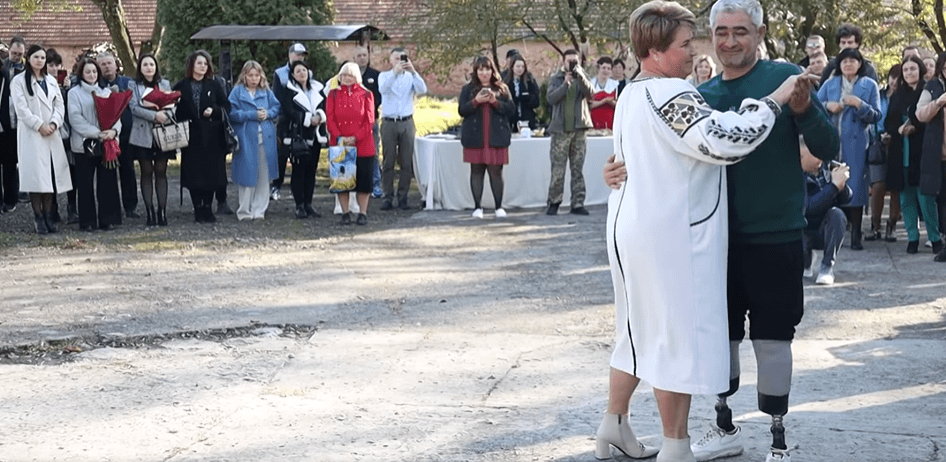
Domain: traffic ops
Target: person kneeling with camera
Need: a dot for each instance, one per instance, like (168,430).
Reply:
(826,191)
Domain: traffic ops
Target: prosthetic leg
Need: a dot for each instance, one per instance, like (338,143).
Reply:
(774,358)
(724,439)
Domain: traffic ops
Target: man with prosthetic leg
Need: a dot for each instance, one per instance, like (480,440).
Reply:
(766,222)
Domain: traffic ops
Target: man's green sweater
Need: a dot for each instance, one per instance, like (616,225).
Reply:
(766,190)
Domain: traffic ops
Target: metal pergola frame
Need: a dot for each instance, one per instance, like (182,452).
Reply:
(361,33)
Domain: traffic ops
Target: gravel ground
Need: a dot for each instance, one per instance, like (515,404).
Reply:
(16,228)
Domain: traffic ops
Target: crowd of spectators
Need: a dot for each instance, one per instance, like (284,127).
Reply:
(891,132)
(51,139)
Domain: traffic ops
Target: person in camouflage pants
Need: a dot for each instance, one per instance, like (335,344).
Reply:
(568,94)
(568,147)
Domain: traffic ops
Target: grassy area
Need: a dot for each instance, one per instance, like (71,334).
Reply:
(432,115)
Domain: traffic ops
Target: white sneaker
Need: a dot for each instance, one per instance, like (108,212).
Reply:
(717,443)
(810,270)
(500,213)
(478,213)
(779,455)
(928,244)
(274,194)
(825,277)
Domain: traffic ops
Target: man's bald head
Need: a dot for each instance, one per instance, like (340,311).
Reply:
(360,56)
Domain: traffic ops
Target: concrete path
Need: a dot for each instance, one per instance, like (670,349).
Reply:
(453,339)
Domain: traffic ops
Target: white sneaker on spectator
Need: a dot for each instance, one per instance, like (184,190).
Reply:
(500,213)
(717,443)
(274,193)
(825,276)
(779,455)
(928,243)
(810,270)
(478,213)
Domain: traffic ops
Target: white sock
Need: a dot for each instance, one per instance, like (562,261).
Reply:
(674,450)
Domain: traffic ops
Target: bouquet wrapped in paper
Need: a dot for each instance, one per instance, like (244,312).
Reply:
(109,110)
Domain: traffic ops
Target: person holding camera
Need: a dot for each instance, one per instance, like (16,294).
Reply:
(398,88)
(826,191)
(568,94)
(486,107)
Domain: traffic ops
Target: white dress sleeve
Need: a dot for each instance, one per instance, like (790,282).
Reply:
(681,117)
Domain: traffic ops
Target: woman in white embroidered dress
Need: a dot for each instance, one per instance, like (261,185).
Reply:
(667,231)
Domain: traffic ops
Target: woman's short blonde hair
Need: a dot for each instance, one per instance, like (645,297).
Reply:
(654,24)
(708,60)
(351,69)
(247,67)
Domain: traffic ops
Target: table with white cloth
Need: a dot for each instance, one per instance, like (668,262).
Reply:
(444,179)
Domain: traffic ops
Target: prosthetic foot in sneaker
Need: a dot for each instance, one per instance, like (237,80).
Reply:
(718,443)
(615,431)
(780,455)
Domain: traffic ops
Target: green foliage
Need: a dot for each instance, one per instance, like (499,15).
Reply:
(27,8)
(183,18)
(432,115)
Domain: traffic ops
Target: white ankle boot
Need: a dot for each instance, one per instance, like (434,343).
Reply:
(615,431)
(676,451)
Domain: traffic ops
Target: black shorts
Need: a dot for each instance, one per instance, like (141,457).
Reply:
(765,281)
(364,174)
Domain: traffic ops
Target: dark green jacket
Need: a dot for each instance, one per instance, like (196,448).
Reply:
(766,191)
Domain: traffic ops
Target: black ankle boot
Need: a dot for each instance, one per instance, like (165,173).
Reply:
(40,223)
(152,218)
(890,232)
(856,239)
(874,233)
(50,223)
(209,214)
(162,216)
(72,216)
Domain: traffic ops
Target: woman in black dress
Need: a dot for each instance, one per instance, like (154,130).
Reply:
(204,160)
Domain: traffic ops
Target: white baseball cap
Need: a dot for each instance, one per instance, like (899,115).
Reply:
(298,49)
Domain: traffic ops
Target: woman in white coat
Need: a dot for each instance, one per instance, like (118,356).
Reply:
(40,110)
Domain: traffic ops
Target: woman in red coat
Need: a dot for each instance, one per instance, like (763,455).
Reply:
(349,111)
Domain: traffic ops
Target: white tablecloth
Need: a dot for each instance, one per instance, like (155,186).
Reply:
(444,179)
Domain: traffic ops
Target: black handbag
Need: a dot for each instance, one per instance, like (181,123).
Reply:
(298,147)
(876,151)
(92,147)
(233,143)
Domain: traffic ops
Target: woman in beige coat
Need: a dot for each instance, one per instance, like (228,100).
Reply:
(39,111)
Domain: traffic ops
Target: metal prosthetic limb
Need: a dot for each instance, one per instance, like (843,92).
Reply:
(775,382)
(723,412)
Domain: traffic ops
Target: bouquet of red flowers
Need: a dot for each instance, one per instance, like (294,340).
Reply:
(109,110)
(161,99)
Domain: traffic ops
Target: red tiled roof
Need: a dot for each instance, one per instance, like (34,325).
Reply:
(82,28)
(383,14)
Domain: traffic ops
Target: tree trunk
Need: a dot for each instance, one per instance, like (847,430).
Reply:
(114,15)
